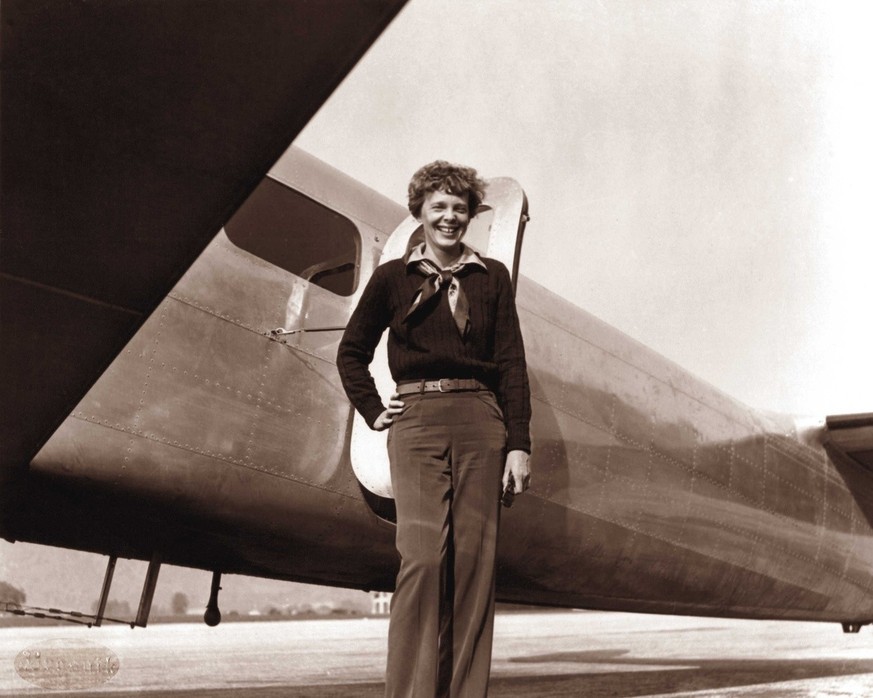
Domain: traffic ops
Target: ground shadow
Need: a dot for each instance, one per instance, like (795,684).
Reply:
(675,675)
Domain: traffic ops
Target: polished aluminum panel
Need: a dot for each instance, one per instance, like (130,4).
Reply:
(651,491)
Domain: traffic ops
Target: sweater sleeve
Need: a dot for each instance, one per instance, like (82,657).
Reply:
(513,387)
(355,353)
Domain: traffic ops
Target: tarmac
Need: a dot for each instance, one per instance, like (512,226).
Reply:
(542,654)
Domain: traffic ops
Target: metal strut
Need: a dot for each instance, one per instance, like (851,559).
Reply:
(282,332)
(212,617)
(104,593)
(148,591)
(51,614)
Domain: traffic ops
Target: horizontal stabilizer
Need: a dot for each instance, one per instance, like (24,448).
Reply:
(853,435)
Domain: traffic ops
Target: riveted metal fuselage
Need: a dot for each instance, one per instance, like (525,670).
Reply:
(216,446)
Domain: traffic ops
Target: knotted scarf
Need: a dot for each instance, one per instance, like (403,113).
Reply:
(436,279)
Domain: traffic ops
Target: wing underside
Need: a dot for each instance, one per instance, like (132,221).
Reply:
(130,133)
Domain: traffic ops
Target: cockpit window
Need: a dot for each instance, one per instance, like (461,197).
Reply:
(290,230)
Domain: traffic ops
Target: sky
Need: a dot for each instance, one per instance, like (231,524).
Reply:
(698,172)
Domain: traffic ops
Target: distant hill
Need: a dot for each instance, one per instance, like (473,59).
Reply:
(71,580)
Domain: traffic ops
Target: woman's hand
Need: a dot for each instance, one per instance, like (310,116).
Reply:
(386,419)
(517,468)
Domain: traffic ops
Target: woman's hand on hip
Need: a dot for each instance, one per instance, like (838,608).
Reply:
(386,419)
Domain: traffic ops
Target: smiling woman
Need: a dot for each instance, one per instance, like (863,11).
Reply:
(444,218)
(444,197)
(458,419)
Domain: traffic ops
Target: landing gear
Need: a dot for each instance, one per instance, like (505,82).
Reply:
(212,617)
(853,627)
(145,601)
(104,594)
(148,591)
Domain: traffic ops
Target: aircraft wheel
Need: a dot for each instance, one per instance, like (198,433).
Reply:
(212,617)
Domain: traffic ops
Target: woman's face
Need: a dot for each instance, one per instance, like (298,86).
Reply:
(444,218)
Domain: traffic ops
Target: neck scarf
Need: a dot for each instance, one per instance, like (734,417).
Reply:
(436,279)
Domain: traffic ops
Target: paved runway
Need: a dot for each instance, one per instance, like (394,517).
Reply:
(536,654)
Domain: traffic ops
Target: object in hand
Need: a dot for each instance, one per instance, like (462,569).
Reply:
(508,495)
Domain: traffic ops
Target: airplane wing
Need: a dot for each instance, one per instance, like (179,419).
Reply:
(130,133)
(852,435)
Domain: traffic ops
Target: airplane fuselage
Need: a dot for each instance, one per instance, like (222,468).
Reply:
(212,444)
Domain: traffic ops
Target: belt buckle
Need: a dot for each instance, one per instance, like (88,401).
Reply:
(443,381)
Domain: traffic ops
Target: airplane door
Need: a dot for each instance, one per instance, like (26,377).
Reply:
(495,232)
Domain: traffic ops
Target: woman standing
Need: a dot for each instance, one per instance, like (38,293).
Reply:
(458,426)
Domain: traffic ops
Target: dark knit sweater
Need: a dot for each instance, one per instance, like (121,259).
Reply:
(429,346)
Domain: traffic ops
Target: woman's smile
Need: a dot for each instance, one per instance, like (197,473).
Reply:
(444,218)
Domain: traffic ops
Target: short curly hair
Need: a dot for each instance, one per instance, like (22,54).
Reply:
(440,175)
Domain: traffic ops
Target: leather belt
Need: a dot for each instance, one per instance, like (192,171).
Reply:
(443,385)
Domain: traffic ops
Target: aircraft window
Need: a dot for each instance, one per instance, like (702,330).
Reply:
(294,232)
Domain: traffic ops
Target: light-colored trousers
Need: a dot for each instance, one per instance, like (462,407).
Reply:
(447,453)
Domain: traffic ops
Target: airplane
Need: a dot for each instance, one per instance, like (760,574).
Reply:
(188,411)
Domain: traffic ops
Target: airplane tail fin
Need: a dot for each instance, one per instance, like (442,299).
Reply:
(852,434)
